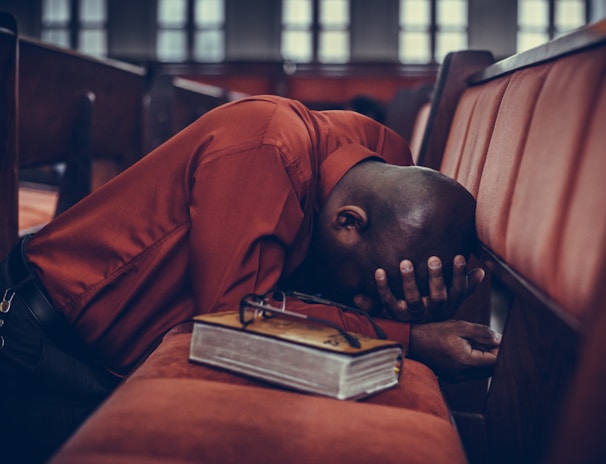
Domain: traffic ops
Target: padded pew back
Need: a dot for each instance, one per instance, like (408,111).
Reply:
(528,140)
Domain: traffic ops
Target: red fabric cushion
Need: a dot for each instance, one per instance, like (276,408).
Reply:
(418,388)
(530,146)
(171,410)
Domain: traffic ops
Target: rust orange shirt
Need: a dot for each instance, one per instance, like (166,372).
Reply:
(224,208)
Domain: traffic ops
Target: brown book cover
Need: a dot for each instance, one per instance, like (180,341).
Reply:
(297,354)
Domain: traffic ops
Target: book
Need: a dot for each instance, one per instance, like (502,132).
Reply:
(298,354)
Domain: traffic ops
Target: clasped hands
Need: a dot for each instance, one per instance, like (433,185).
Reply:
(455,349)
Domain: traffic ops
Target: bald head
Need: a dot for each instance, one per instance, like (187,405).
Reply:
(391,213)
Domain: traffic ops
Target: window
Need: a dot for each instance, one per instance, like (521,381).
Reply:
(451,34)
(316,30)
(172,33)
(429,29)
(333,45)
(56,19)
(542,20)
(415,31)
(209,25)
(92,17)
(191,30)
(77,24)
(297,30)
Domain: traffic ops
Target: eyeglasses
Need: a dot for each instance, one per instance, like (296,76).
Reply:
(252,305)
(319,300)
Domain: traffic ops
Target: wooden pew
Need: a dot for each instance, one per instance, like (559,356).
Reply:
(8,133)
(175,102)
(80,110)
(450,84)
(526,137)
(192,99)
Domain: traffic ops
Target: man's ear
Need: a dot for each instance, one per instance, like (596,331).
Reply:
(350,218)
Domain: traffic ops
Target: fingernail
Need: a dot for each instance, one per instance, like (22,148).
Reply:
(434,263)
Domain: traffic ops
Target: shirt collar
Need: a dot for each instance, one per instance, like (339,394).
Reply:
(334,167)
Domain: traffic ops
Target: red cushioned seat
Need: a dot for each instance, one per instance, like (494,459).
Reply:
(171,410)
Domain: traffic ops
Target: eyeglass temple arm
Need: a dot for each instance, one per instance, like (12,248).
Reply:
(316,299)
(353,341)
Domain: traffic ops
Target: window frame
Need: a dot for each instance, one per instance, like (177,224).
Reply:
(551,29)
(433,30)
(316,29)
(75,26)
(191,29)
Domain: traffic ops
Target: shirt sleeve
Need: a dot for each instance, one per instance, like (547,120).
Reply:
(396,331)
(245,214)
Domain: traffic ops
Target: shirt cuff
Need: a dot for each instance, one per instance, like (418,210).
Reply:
(396,331)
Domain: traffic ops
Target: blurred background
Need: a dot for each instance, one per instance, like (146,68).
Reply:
(322,52)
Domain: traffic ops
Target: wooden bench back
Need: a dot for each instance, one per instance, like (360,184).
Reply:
(78,110)
(450,84)
(52,79)
(528,140)
(192,99)
(174,103)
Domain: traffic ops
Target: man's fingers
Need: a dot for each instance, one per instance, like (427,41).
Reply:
(409,285)
(480,358)
(474,279)
(437,288)
(482,336)
(385,294)
(392,305)
(459,287)
(365,303)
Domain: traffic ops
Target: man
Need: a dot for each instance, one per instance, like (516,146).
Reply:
(227,207)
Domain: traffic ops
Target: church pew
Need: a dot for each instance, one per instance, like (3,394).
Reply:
(527,139)
(192,99)
(80,110)
(8,133)
(175,102)
(450,84)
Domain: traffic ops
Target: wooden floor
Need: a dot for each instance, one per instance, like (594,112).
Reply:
(36,208)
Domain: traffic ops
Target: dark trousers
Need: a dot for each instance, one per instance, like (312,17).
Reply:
(47,386)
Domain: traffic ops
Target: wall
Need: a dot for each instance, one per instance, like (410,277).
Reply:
(374,27)
(493,26)
(132,29)
(253,29)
